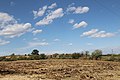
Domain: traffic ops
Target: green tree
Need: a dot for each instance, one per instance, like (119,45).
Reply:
(35,52)
(97,54)
(76,55)
(43,56)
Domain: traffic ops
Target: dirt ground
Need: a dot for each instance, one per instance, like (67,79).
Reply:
(60,69)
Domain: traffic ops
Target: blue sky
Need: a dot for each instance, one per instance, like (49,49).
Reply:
(59,26)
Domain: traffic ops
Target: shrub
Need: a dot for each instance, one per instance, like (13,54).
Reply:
(75,55)
(22,58)
(34,57)
(96,54)
(43,56)
(2,58)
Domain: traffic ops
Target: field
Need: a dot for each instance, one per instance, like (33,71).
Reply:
(60,69)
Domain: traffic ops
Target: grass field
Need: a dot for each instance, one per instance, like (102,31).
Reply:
(60,69)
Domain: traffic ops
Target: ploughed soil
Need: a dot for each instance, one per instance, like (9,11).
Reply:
(60,69)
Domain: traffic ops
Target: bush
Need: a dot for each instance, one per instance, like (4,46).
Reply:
(76,56)
(34,57)
(2,58)
(22,58)
(37,57)
(97,54)
(43,56)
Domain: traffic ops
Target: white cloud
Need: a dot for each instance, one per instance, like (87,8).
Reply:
(50,17)
(71,9)
(15,30)
(36,32)
(80,10)
(89,32)
(9,27)
(40,12)
(81,24)
(71,21)
(52,6)
(95,33)
(3,42)
(6,19)
(77,10)
(102,34)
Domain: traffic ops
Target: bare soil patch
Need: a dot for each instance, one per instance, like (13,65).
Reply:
(60,69)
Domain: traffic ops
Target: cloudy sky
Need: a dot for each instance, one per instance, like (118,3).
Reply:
(59,25)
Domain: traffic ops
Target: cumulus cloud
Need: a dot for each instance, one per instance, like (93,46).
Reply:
(102,34)
(95,33)
(77,10)
(9,27)
(79,25)
(88,33)
(3,42)
(80,10)
(36,32)
(71,21)
(6,19)
(15,30)
(40,12)
(50,17)
(52,6)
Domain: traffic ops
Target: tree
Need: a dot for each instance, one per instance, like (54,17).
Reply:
(76,55)
(42,56)
(86,54)
(35,52)
(96,54)
(13,54)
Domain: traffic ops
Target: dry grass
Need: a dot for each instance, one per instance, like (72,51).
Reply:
(60,69)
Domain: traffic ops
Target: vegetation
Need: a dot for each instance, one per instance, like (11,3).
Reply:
(35,52)
(95,55)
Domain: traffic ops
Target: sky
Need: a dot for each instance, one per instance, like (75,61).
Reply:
(57,26)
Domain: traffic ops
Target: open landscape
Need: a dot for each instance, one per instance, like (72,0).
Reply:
(59,39)
(60,69)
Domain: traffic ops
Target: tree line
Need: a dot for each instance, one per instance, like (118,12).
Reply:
(95,55)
